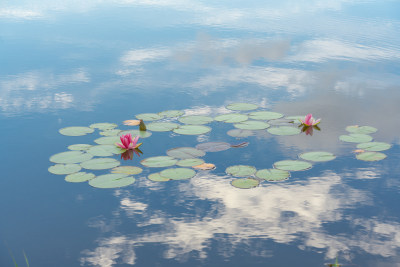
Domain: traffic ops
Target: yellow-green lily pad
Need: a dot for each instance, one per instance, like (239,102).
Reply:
(113,180)
(371,156)
(70,157)
(317,156)
(241,106)
(75,131)
(149,116)
(232,118)
(103,126)
(171,113)
(356,138)
(241,170)
(127,170)
(156,177)
(185,152)
(111,132)
(79,147)
(273,175)
(161,126)
(265,115)
(245,183)
(108,140)
(141,134)
(105,150)
(100,164)
(252,125)
(178,173)
(189,162)
(192,129)
(79,177)
(160,161)
(292,165)
(195,119)
(240,133)
(361,129)
(374,146)
(64,168)
(213,146)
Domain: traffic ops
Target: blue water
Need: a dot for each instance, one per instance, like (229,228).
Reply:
(75,63)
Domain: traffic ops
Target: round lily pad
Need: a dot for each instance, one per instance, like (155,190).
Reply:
(141,134)
(240,133)
(70,157)
(281,122)
(161,126)
(160,161)
(240,170)
(127,170)
(100,164)
(108,140)
(245,183)
(374,146)
(292,165)
(192,129)
(265,115)
(295,119)
(178,173)
(195,119)
(232,118)
(113,180)
(185,152)
(252,125)
(79,177)
(76,131)
(103,126)
(241,106)
(189,162)
(149,116)
(213,146)
(361,129)
(356,138)
(284,130)
(105,150)
(273,175)
(156,177)
(64,168)
(370,156)
(317,156)
(171,113)
(111,132)
(79,147)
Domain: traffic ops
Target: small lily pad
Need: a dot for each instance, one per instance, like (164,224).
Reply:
(281,122)
(356,138)
(79,177)
(232,118)
(141,134)
(265,115)
(103,126)
(70,157)
(113,180)
(192,129)
(252,125)
(213,146)
(108,140)
(284,130)
(374,146)
(105,150)
(162,126)
(361,129)
(245,183)
(241,106)
(75,131)
(149,116)
(273,175)
(127,170)
(64,168)
(185,152)
(111,132)
(178,173)
(100,164)
(292,165)
(238,133)
(79,147)
(204,166)
(317,156)
(171,113)
(195,119)
(295,119)
(371,156)
(240,170)
(189,162)
(160,161)
(156,177)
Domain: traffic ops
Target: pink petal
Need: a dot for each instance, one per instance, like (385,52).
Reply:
(134,142)
(308,119)
(316,122)
(120,145)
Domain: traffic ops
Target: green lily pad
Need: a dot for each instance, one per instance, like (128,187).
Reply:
(156,177)
(160,161)
(240,170)
(238,133)
(100,164)
(70,157)
(113,180)
(171,113)
(195,119)
(178,173)
(112,132)
(361,129)
(295,119)
(75,131)
(192,129)
(185,152)
(265,115)
(161,126)
(79,177)
(127,170)
(370,156)
(273,175)
(213,146)
(108,140)
(284,130)
(356,138)
(79,147)
(317,156)
(374,146)
(252,125)
(141,134)
(292,165)
(189,162)
(64,168)
(149,116)
(281,122)
(245,183)
(241,106)
(105,150)
(232,118)
(103,126)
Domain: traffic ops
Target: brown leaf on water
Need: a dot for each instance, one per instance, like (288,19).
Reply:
(359,151)
(244,144)
(132,122)
(204,166)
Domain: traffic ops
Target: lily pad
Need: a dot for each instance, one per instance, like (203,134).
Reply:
(100,164)
(79,177)
(108,140)
(171,113)
(111,132)
(105,150)
(238,133)
(70,157)
(317,156)
(79,147)
(273,175)
(295,119)
(156,177)
(75,131)
(192,129)
(284,130)
(265,115)
(213,146)
(189,162)
(252,125)
(178,173)
(281,122)
(149,116)
(356,138)
(204,166)
(240,170)
(141,134)
(103,126)
(64,168)
(374,146)
(195,119)
(160,161)
(113,180)
(371,156)
(162,126)
(232,118)
(292,165)
(185,152)
(245,183)
(241,106)
(127,170)
(361,129)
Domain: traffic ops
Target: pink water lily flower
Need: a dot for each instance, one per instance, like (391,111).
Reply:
(127,142)
(309,120)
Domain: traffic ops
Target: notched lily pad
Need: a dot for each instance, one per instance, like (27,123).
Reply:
(195,119)
(185,152)
(189,162)
(141,134)
(245,183)
(162,126)
(371,156)
(105,150)
(374,146)
(127,170)
(192,129)
(70,157)
(232,118)
(100,164)
(273,175)
(241,106)
(356,138)
(171,113)
(112,132)
(317,156)
(240,170)
(160,161)
(240,133)
(79,177)
(113,180)
(79,147)
(213,146)
(284,130)
(64,168)
(75,131)
(252,125)
(156,177)
(361,129)
(265,115)
(149,116)
(178,173)
(108,140)
(103,126)
(292,165)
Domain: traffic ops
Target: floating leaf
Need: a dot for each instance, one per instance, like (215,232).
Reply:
(252,125)
(284,130)
(185,152)
(178,173)
(192,129)
(245,183)
(195,119)
(371,156)
(240,133)
(105,150)
(241,106)
(103,126)
(160,161)
(111,132)
(189,162)
(149,116)
(141,134)
(232,118)
(70,157)
(131,122)
(64,168)
(108,140)
(273,175)
(361,129)
(356,138)
(374,146)
(240,170)
(113,180)
(79,147)
(292,165)
(281,122)
(79,177)
(171,113)
(243,144)
(156,177)
(100,164)
(127,170)
(317,156)
(213,146)
(265,115)
(359,150)
(296,118)
(76,131)
(162,126)
(204,166)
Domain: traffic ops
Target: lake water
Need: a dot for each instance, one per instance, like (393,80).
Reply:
(75,63)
